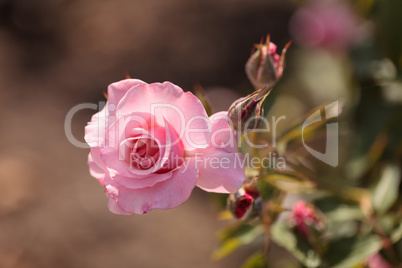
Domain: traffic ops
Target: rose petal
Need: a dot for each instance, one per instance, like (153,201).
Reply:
(222,134)
(119,169)
(96,128)
(139,182)
(120,131)
(114,208)
(164,195)
(117,90)
(95,154)
(182,110)
(219,171)
(100,122)
(95,170)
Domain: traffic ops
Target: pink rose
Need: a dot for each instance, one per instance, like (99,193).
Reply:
(150,145)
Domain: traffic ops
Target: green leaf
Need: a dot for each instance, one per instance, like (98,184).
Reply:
(288,181)
(266,190)
(235,230)
(321,115)
(341,216)
(297,245)
(200,93)
(385,191)
(226,248)
(390,34)
(348,252)
(236,236)
(397,234)
(256,260)
(388,222)
(341,187)
(337,210)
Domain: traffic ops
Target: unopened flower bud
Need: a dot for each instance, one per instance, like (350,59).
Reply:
(246,203)
(265,67)
(304,216)
(245,113)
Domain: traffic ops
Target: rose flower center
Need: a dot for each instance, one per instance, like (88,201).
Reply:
(144,153)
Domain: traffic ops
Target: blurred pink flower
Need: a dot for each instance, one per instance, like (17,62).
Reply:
(376,261)
(148,145)
(326,24)
(304,216)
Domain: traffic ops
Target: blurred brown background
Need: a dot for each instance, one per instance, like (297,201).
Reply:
(55,54)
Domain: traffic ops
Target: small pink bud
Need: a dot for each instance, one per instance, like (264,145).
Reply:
(265,67)
(303,216)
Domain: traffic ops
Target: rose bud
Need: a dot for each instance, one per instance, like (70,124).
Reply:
(245,204)
(304,216)
(244,114)
(265,67)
